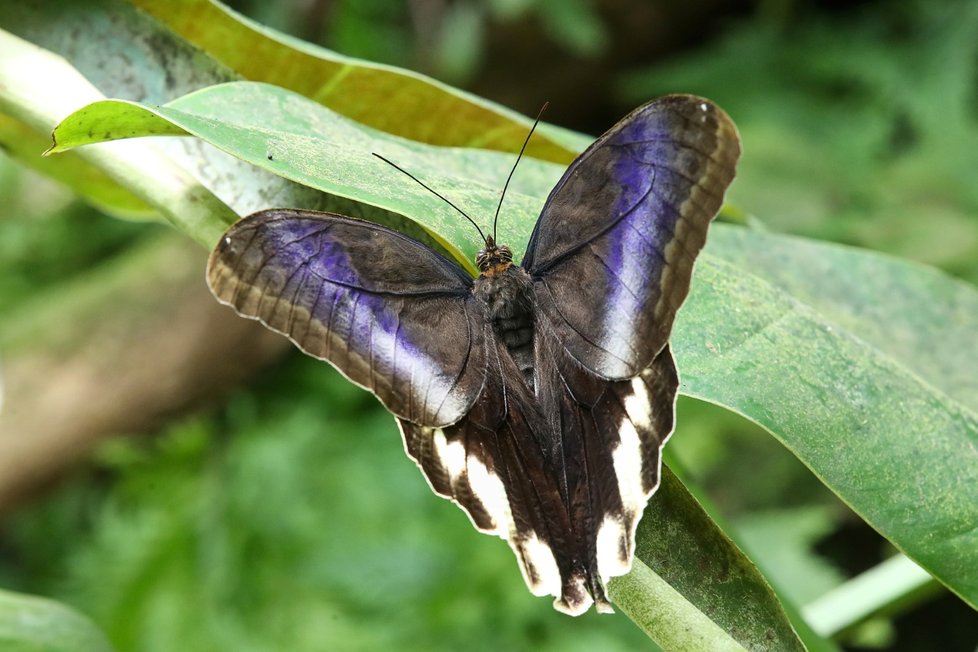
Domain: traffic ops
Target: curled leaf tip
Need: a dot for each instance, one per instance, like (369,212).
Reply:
(53,149)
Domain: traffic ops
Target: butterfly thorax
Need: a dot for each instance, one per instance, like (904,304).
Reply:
(506,292)
(493,259)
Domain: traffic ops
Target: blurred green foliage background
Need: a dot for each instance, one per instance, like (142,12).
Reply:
(283,514)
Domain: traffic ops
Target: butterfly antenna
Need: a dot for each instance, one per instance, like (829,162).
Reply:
(432,191)
(522,149)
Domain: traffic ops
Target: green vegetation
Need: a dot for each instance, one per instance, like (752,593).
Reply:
(282,513)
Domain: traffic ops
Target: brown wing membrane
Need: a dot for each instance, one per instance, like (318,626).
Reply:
(612,438)
(494,466)
(391,314)
(608,445)
(570,521)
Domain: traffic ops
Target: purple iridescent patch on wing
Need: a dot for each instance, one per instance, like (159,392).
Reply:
(656,169)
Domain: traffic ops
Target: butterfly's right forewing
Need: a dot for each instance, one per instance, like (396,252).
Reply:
(613,251)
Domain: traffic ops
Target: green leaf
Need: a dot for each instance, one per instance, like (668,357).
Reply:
(390,99)
(302,141)
(298,139)
(31,624)
(820,375)
(893,305)
(691,588)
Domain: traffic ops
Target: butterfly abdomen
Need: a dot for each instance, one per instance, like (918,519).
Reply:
(507,297)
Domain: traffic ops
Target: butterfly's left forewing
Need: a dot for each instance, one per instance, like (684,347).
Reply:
(388,312)
(396,317)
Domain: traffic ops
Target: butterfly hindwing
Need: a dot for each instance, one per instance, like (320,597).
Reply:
(609,440)
(618,437)
(493,466)
(390,313)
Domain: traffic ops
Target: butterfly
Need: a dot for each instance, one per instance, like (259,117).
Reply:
(537,396)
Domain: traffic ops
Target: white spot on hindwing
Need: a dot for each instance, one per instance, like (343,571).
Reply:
(451,454)
(638,405)
(616,533)
(539,566)
(627,456)
(464,468)
(614,547)
(489,489)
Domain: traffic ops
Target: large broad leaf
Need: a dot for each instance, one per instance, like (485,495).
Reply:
(862,366)
(893,305)
(296,138)
(308,144)
(858,363)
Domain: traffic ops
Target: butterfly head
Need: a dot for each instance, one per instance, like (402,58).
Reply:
(493,259)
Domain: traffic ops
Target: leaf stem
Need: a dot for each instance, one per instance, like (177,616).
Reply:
(892,585)
(665,615)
